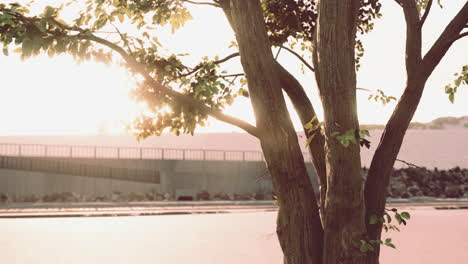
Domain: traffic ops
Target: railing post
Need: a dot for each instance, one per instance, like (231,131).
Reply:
(162,154)
(204,154)
(95,152)
(45,150)
(183,154)
(224,155)
(71,152)
(141,153)
(243,155)
(118,153)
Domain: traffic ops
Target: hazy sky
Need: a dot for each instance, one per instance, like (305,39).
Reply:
(46,95)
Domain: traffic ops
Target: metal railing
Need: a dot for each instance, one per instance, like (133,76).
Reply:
(107,152)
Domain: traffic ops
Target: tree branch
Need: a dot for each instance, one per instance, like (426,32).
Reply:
(139,68)
(232,75)
(426,12)
(198,67)
(409,164)
(299,57)
(461,35)
(200,3)
(450,34)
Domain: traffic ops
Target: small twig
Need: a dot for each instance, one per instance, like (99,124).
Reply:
(299,57)
(410,164)
(232,75)
(198,67)
(278,53)
(124,39)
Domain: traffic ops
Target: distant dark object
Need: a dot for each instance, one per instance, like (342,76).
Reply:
(185,198)
(3,198)
(203,196)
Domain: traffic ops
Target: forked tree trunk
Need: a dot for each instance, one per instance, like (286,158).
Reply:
(344,205)
(298,225)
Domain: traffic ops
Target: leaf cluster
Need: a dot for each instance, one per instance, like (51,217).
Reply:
(297,18)
(366,246)
(382,97)
(385,219)
(461,79)
(352,136)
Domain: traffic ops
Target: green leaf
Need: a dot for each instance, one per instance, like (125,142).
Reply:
(363,248)
(388,242)
(452,97)
(405,215)
(389,218)
(309,139)
(5,50)
(364,133)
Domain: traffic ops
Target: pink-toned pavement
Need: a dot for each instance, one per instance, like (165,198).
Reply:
(431,237)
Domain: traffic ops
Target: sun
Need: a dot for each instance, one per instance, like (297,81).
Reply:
(58,96)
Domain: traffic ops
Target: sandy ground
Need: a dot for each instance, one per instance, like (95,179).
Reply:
(432,237)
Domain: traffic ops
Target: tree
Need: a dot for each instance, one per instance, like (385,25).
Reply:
(345,225)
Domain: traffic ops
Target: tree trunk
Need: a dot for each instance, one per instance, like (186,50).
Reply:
(298,225)
(382,164)
(344,224)
(418,71)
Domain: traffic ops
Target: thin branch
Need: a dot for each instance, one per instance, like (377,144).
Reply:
(409,164)
(278,53)
(451,33)
(426,12)
(461,35)
(124,40)
(201,3)
(363,89)
(299,57)
(198,67)
(139,68)
(232,75)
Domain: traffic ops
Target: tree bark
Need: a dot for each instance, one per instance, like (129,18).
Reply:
(344,206)
(298,225)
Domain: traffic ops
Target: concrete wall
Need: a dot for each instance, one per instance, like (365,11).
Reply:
(178,177)
(26,183)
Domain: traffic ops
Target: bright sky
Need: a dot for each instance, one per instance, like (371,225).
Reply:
(56,96)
